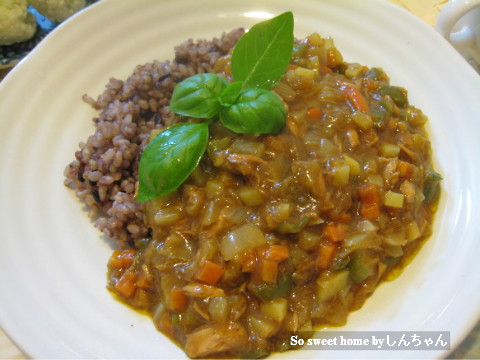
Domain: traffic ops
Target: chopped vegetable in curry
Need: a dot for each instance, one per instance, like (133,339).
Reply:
(274,234)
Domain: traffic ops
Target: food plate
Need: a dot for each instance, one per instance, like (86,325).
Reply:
(54,303)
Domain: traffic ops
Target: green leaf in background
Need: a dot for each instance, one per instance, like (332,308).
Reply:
(169,159)
(262,55)
(197,96)
(256,111)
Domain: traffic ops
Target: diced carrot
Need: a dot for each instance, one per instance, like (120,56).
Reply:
(370,208)
(354,96)
(266,262)
(249,261)
(357,100)
(314,113)
(178,300)
(335,232)
(114,261)
(370,211)
(267,271)
(126,284)
(326,250)
(369,194)
(277,253)
(121,259)
(404,169)
(370,84)
(209,272)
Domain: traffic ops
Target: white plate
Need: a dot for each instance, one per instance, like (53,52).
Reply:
(53,301)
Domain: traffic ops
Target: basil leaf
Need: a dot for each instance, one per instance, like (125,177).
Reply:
(230,95)
(256,111)
(197,96)
(262,55)
(169,159)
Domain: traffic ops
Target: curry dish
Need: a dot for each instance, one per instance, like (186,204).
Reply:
(274,235)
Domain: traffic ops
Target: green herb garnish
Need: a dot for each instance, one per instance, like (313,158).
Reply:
(259,60)
(262,55)
(197,96)
(255,111)
(165,164)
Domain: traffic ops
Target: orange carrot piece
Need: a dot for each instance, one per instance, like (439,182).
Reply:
(126,284)
(268,259)
(209,272)
(114,261)
(326,250)
(178,300)
(314,113)
(277,253)
(354,96)
(370,208)
(268,271)
(404,169)
(335,232)
(370,211)
(370,84)
(369,194)
(357,100)
(122,259)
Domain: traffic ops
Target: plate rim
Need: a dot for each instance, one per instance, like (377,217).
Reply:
(32,55)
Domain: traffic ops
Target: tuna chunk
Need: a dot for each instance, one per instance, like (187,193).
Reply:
(216,339)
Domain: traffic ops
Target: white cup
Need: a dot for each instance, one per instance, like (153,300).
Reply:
(459,23)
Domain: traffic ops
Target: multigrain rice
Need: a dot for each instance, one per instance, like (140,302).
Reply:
(104,172)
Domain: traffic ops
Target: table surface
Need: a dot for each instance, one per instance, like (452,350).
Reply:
(428,11)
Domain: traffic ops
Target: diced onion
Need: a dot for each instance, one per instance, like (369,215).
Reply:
(330,284)
(341,174)
(393,199)
(275,309)
(262,326)
(219,309)
(243,238)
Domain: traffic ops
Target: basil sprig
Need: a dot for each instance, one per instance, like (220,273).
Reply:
(165,165)
(262,55)
(259,60)
(197,96)
(255,111)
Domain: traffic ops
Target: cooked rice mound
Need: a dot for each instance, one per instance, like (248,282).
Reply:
(105,167)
